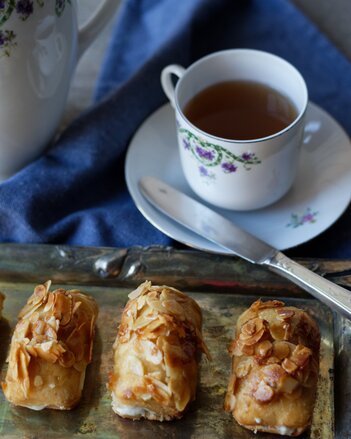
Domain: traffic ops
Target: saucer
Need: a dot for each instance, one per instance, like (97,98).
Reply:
(320,194)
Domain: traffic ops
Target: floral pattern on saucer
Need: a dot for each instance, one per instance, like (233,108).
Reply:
(23,9)
(308,217)
(154,151)
(212,155)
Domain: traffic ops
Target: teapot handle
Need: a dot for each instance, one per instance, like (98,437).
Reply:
(91,29)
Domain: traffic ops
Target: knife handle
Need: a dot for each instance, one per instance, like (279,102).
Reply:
(336,297)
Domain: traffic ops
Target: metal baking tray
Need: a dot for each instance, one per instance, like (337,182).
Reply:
(223,286)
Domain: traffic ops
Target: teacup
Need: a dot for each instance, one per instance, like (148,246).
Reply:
(39,48)
(229,173)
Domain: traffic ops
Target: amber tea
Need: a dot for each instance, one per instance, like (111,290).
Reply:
(240,110)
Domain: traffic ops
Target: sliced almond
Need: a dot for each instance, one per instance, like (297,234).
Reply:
(248,349)
(263,393)
(288,384)
(258,305)
(263,349)
(277,331)
(252,327)
(289,366)
(273,374)
(301,355)
(50,302)
(254,338)
(39,327)
(281,349)
(34,317)
(268,314)
(141,302)
(143,321)
(24,359)
(272,360)
(143,288)
(285,313)
(151,352)
(243,367)
(154,304)
(63,307)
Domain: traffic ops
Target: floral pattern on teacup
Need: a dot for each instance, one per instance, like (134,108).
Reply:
(212,155)
(297,220)
(23,10)
(208,176)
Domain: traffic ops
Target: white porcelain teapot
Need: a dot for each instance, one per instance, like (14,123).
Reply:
(40,44)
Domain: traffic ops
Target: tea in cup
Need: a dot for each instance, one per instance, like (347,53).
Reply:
(240,119)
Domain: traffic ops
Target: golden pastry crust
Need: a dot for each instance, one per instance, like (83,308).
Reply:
(156,354)
(50,349)
(275,362)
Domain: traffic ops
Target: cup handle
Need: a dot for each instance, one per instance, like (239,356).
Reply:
(166,80)
(91,29)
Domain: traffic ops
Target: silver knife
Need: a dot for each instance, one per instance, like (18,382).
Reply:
(214,227)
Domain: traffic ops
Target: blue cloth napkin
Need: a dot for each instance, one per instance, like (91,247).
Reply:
(76,193)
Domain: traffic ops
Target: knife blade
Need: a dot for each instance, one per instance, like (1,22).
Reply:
(210,225)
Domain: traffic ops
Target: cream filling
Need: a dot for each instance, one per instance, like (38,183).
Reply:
(35,407)
(282,429)
(129,410)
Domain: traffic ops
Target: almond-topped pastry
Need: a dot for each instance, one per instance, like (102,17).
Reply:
(50,349)
(275,363)
(156,354)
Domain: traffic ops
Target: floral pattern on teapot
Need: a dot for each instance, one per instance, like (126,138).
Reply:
(23,9)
